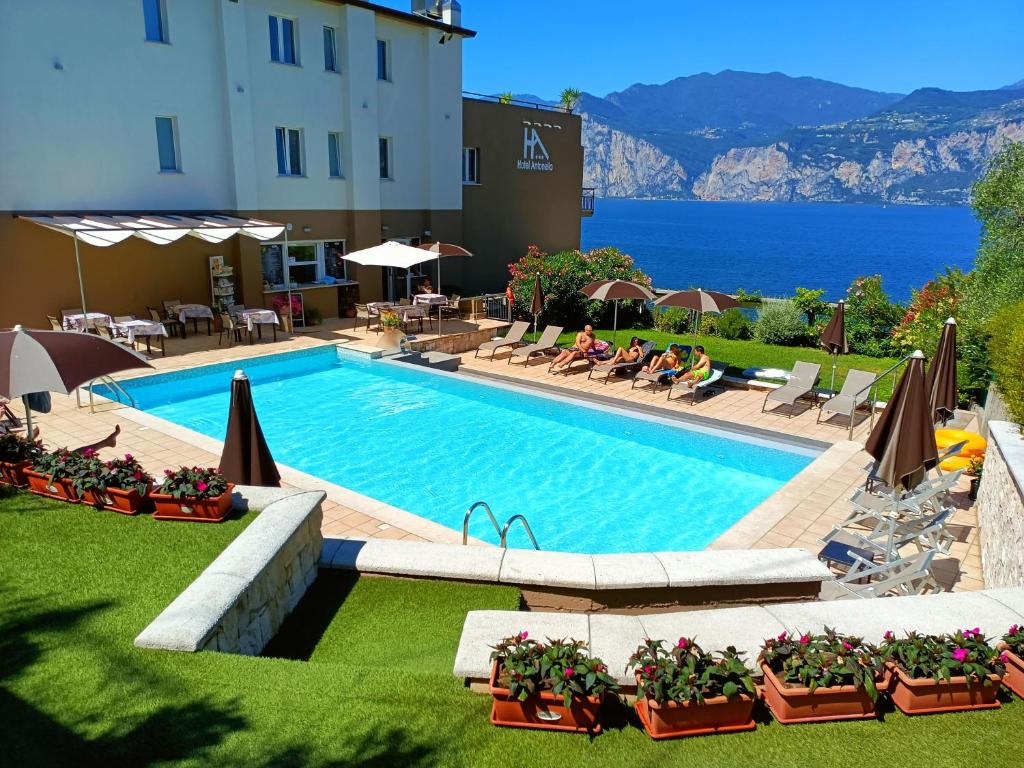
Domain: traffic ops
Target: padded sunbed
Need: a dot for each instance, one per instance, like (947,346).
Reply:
(513,338)
(801,384)
(701,387)
(609,368)
(544,343)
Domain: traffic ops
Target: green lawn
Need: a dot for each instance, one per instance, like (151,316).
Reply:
(752,354)
(78,585)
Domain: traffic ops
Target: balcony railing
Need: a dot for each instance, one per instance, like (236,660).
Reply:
(514,102)
(587,202)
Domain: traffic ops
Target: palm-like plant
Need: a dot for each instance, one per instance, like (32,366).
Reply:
(505,98)
(569,98)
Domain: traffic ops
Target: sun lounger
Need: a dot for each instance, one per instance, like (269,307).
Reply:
(609,368)
(513,338)
(873,482)
(701,388)
(544,343)
(851,397)
(800,384)
(592,358)
(886,539)
(926,498)
(907,576)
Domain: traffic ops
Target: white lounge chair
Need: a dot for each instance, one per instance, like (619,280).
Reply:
(513,338)
(701,388)
(886,539)
(801,384)
(544,343)
(907,576)
(926,498)
(609,368)
(852,396)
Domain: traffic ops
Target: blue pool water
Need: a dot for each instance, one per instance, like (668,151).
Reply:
(587,480)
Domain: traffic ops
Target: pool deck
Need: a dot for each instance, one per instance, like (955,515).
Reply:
(797,515)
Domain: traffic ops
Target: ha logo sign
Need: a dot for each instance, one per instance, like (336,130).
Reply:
(535,154)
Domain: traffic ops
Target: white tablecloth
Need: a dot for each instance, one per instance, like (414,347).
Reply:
(405,312)
(254,317)
(136,328)
(430,298)
(187,311)
(78,322)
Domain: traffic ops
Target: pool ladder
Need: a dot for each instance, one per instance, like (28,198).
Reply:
(502,531)
(116,392)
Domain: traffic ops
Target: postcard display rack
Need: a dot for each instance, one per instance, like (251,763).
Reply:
(222,284)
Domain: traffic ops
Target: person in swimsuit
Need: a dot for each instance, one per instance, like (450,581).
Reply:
(628,355)
(664,362)
(699,371)
(584,343)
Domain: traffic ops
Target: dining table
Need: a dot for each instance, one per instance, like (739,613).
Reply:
(405,312)
(255,319)
(136,330)
(195,313)
(82,321)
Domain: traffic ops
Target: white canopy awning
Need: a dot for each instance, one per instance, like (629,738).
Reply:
(160,228)
(390,254)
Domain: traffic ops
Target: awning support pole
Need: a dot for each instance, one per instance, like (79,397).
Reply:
(288,282)
(81,285)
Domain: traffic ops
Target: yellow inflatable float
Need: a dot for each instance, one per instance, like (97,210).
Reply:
(975,448)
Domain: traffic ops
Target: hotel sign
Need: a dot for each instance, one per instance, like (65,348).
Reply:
(535,154)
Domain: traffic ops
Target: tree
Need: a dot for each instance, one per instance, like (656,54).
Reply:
(809,302)
(506,97)
(569,98)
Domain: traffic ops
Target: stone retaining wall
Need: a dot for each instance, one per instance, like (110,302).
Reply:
(458,343)
(240,601)
(1000,507)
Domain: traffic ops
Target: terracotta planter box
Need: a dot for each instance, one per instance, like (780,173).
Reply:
(1014,678)
(926,696)
(674,720)
(212,510)
(59,489)
(13,473)
(129,502)
(543,711)
(801,705)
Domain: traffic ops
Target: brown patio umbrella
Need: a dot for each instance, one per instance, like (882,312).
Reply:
(246,459)
(616,290)
(833,338)
(903,441)
(57,361)
(439,250)
(941,379)
(699,301)
(537,305)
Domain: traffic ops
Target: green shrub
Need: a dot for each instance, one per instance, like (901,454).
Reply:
(754,297)
(780,322)
(708,325)
(998,202)
(733,324)
(1006,350)
(672,320)
(870,318)
(809,302)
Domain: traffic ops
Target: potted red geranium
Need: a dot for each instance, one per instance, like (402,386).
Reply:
(812,678)
(54,473)
(1012,657)
(943,673)
(120,485)
(688,692)
(193,493)
(16,455)
(553,686)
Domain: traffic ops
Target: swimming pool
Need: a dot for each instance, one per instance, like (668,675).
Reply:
(588,479)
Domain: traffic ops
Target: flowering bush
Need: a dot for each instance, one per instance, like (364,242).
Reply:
(390,320)
(825,660)
(527,667)
(780,322)
(870,317)
(193,483)
(962,654)
(688,673)
(563,274)
(929,308)
(1014,640)
(126,474)
(15,448)
(60,464)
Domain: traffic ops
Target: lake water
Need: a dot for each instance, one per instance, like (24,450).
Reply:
(774,247)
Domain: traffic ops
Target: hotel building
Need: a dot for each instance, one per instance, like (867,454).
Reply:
(344,120)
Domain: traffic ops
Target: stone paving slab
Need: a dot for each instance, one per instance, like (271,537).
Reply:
(483,629)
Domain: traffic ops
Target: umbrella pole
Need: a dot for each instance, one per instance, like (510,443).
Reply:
(81,285)
(832,386)
(615,325)
(439,291)
(28,414)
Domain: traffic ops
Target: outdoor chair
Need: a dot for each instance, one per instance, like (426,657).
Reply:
(801,384)
(591,359)
(544,343)
(851,397)
(865,579)
(886,539)
(513,338)
(928,497)
(623,368)
(54,323)
(873,483)
(110,334)
(230,328)
(173,325)
(701,388)
(662,377)
(451,309)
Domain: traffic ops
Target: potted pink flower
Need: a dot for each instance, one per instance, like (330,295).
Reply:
(55,474)
(193,493)
(1012,657)
(121,485)
(16,455)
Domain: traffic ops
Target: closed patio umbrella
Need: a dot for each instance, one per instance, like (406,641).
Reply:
(616,290)
(537,304)
(57,361)
(246,459)
(699,301)
(439,250)
(941,379)
(833,338)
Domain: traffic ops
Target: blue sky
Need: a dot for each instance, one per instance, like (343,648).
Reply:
(542,46)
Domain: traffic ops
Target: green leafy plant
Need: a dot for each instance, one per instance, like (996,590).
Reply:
(708,325)
(743,297)
(964,653)
(390,321)
(671,320)
(506,97)
(809,302)
(976,467)
(88,473)
(561,666)
(1013,641)
(1006,352)
(193,483)
(930,307)
(686,672)
(569,98)
(314,316)
(126,474)
(870,318)
(823,661)
(780,322)
(60,464)
(15,448)
(733,324)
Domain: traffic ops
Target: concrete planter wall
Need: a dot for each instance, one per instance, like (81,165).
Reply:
(1000,507)
(457,343)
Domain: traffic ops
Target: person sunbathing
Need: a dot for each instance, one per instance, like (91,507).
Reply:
(667,361)
(581,348)
(628,355)
(699,371)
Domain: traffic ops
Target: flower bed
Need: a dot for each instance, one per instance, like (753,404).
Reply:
(194,494)
(16,455)
(120,485)
(56,473)
(1012,657)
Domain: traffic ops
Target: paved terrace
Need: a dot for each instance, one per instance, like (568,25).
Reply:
(797,516)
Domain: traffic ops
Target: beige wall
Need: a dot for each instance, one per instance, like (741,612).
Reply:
(512,209)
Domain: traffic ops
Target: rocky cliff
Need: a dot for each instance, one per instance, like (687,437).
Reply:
(621,165)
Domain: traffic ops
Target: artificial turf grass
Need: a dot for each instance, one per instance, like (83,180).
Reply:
(378,690)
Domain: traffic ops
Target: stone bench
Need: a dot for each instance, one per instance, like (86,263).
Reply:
(238,603)
(614,638)
(624,583)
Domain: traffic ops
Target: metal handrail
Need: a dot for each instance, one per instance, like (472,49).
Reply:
(526,527)
(469,512)
(874,397)
(109,382)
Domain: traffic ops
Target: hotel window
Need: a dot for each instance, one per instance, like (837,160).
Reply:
(330,50)
(470,165)
(155,14)
(383,60)
(289,152)
(303,262)
(334,154)
(384,145)
(167,144)
(334,260)
(308,262)
(282,40)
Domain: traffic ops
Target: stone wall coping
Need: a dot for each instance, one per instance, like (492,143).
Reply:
(193,616)
(1007,436)
(574,571)
(614,637)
